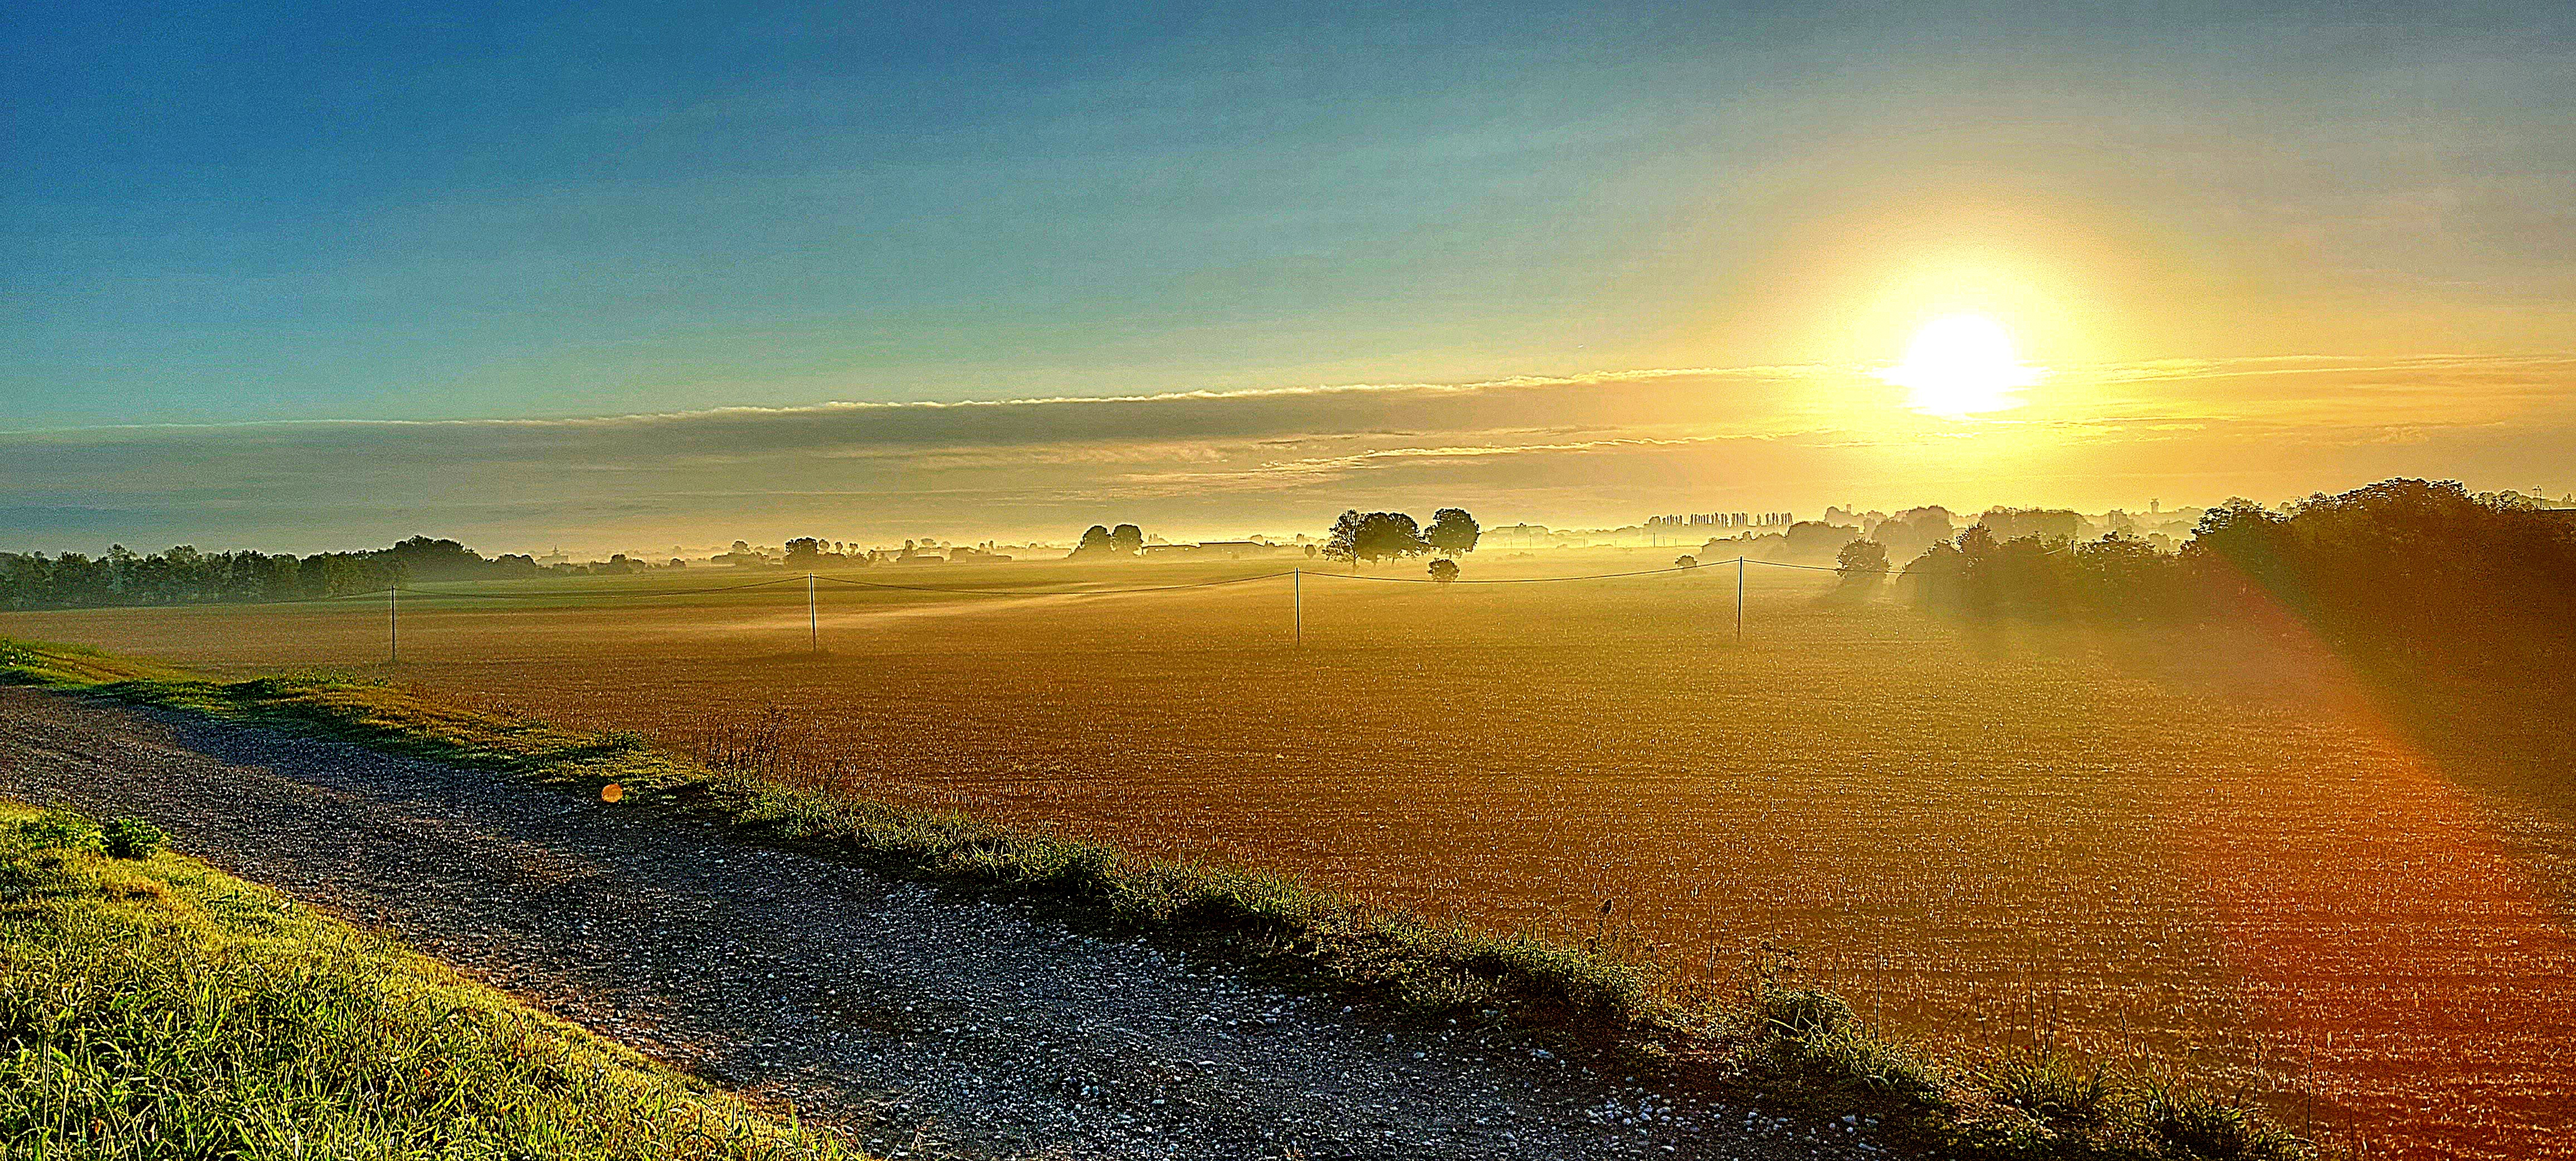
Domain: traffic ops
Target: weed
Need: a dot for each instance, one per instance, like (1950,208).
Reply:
(2059,1093)
(130,838)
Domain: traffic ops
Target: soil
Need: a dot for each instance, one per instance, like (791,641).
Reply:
(926,1023)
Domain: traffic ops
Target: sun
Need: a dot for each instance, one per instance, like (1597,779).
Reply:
(1962,365)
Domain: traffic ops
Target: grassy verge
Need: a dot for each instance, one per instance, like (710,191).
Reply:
(1775,1041)
(153,1008)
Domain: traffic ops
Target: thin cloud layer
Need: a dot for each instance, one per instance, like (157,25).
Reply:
(1583,450)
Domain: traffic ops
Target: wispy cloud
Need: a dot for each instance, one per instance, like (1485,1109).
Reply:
(1586,448)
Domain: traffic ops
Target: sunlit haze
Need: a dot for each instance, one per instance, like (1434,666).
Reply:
(1961,365)
(1979,579)
(618,278)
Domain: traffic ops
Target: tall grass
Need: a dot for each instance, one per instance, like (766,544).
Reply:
(154,1008)
(1776,1042)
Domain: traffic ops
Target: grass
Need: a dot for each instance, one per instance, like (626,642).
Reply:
(1601,990)
(154,1008)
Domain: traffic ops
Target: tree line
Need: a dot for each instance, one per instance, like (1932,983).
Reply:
(2426,568)
(185,576)
(1355,537)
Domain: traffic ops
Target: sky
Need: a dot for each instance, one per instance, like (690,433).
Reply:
(638,274)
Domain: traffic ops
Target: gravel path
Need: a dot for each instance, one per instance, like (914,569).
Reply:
(933,1026)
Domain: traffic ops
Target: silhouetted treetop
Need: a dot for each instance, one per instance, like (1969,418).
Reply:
(1861,560)
(1374,536)
(1452,532)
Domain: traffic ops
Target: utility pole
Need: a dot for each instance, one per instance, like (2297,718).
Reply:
(393,625)
(1297,602)
(1739,600)
(813,622)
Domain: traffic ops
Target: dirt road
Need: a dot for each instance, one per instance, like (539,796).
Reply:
(932,1025)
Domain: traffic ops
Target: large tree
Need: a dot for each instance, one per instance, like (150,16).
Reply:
(1095,541)
(1375,536)
(1452,532)
(1861,562)
(1126,540)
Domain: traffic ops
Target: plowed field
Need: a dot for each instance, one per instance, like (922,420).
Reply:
(2216,852)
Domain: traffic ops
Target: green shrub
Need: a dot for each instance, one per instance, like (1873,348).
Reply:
(131,838)
(59,830)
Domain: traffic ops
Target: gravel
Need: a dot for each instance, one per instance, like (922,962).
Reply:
(929,1024)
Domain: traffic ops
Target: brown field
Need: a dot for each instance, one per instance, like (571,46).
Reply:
(2213,853)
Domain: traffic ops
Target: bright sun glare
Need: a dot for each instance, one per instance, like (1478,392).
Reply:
(1961,365)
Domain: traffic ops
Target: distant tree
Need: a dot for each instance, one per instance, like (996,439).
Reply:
(1452,532)
(1907,533)
(2122,577)
(804,552)
(419,558)
(741,548)
(1861,561)
(1444,570)
(1936,578)
(1342,541)
(1685,562)
(1816,540)
(2009,524)
(1126,540)
(1095,541)
(1374,536)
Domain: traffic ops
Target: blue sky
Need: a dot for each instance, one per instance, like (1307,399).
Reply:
(244,213)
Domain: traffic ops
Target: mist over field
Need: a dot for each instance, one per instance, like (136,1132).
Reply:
(1001,580)
(2000,781)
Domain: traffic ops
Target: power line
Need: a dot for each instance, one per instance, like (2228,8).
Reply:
(420,592)
(1818,567)
(204,604)
(1515,580)
(1056,592)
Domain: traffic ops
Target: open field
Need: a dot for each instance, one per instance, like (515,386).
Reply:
(2227,856)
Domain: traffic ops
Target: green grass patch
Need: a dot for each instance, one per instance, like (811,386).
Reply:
(153,1008)
(1776,1042)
